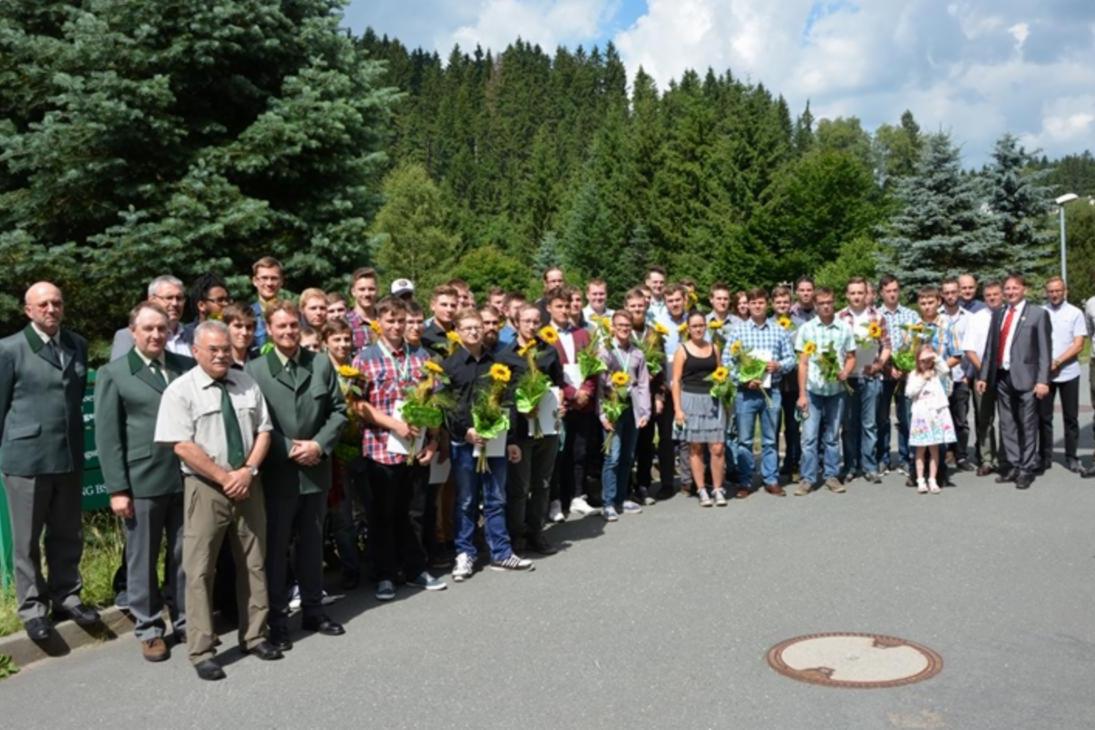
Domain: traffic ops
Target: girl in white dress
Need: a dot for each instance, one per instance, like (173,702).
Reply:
(930,426)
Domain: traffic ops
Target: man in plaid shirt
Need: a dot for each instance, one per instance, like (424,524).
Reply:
(897,317)
(759,335)
(360,318)
(822,400)
(872,354)
(389,367)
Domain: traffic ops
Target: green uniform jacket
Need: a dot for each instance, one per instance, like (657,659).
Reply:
(127,399)
(312,411)
(41,420)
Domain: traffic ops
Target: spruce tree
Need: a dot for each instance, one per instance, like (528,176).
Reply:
(1020,201)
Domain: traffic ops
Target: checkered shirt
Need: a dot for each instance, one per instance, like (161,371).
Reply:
(361,331)
(837,333)
(768,336)
(383,388)
(894,320)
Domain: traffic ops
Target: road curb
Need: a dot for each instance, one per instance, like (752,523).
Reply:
(66,637)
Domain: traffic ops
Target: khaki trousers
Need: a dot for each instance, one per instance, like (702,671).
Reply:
(210,518)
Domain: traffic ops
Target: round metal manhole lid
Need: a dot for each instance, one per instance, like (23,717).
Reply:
(854,660)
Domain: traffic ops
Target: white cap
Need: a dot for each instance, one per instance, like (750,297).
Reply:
(402,286)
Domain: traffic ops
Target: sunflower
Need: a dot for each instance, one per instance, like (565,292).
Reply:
(548,334)
(374,326)
(918,327)
(874,331)
(785,322)
(735,349)
(620,378)
(661,329)
(431,367)
(349,372)
(526,349)
(809,349)
(452,337)
(720,375)
(682,328)
(499,373)
(716,324)
(693,300)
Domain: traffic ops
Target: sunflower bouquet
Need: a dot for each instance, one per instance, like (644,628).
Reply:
(531,388)
(749,367)
(872,335)
(424,405)
(589,360)
(723,388)
(653,348)
(489,416)
(786,323)
(828,363)
(452,341)
(905,357)
(716,327)
(615,403)
(351,382)
(602,332)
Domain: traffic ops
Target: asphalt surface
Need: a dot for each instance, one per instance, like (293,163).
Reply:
(664,620)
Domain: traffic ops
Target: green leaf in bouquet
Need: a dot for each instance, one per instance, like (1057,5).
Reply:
(490,429)
(531,389)
(422,415)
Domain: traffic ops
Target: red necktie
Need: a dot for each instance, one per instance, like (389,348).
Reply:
(1004,332)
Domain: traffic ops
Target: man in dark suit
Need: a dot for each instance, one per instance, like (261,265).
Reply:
(144,477)
(308,412)
(43,373)
(1017,364)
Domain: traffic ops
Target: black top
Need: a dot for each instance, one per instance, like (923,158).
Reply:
(467,376)
(435,339)
(547,360)
(696,369)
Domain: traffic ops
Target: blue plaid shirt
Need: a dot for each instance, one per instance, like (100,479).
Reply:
(894,320)
(768,336)
(837,333)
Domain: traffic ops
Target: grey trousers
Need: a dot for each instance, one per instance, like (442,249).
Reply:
(529,485)
(49,503)
(154,519)
(1018,414)
(984,419)
(299,515)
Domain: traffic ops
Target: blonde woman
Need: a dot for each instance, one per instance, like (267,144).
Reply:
(698,417)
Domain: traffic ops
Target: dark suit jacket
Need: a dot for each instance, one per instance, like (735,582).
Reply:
(123,341)
(1031,347)
(589,385)
(314,410)
(127,400)
(41,420)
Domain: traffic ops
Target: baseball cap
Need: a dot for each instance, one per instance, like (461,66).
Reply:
(402,286)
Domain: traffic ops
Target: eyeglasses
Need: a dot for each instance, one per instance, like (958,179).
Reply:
(223,301)
(171,298)
(473,328)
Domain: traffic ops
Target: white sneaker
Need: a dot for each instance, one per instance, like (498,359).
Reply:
(579,506)
(294,597)
(921,486)
(720,497)
(632,508)
(933,486)
(462,570)
(705,498)
(555,511)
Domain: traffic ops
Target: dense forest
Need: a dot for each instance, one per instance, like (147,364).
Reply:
(139,138)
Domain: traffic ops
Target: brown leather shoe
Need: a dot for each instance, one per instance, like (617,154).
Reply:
(775,490)
(742,493)
(984,471)
(155,650)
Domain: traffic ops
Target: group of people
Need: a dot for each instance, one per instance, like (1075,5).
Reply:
(270,431)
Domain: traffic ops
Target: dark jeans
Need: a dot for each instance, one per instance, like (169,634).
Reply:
(662,425)
(893,395)
(792,436)
(572,460)
(960,407)
(394,543)
(1070,410)
(527,487)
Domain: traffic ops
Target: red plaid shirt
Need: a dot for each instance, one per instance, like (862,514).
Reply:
(361,330)
(388,375)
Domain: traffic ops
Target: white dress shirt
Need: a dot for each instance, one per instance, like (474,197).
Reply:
(1015,319)
(1068,324)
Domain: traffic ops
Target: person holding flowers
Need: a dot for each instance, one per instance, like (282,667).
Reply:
(932,428)
(649,337)
(624,411)
(826,348)
(788,387)
(698,416)
(872,356)
(897,316)
(475,377)
(759,354)
(393,442)
(536,368)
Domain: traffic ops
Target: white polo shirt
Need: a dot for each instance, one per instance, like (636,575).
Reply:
(1068,324)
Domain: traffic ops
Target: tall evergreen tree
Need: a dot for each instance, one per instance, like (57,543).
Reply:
(1020,200)
(943,226)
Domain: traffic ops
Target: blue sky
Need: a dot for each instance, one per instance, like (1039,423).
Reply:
(975,68)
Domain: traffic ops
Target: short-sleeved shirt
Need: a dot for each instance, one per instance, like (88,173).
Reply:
(388,374)
(976,337)
(190,410)
(866,351)
(895,318)
(838,334)
(959,323)
(1068,324)
(768,336)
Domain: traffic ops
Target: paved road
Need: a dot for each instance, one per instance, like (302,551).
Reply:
(663,620)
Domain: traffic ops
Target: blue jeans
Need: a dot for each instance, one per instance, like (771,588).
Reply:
(749,405)
(616,470)
(825,410)
(893,395)
(860,432)
(470,486)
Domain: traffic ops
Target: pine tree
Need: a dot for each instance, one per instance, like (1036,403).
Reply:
(1020,201)
(943,227)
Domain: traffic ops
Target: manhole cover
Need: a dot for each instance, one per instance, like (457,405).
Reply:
(854,660)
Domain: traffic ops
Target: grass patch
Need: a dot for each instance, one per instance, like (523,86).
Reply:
(104,541)
(8,666)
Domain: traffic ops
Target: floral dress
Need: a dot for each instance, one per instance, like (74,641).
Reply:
(931,417)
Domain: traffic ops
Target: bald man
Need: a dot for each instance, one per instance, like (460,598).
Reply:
(43,372)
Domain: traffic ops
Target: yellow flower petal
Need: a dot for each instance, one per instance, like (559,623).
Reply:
(620,378)
(432,367)
(548,335)
(499,373)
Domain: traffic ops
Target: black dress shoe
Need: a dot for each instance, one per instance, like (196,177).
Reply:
(209,670)
(540,546)
(264,651)
(965,465)
(323,625)
(984,471)
(38,629)
(1007,476)
(1074,466)
(1088,472)
(1023,481)
(80,614)
(278,637)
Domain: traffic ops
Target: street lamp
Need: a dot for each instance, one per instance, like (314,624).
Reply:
(1062,201)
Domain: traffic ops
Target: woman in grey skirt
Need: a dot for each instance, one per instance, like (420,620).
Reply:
(697,414)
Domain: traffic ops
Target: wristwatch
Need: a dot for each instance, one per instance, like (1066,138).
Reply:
(253,469)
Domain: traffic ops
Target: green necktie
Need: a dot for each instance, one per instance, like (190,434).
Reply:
(158,370)
(291,371)
(232,433)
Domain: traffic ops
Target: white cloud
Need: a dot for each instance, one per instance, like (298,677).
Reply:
(548,23)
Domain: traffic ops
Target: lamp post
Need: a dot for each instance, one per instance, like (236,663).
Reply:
(1062,201)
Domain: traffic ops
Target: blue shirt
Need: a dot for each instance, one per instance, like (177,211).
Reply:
(894,319)
(838,334)
(768,336)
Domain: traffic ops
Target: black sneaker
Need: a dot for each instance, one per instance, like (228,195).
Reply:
(512,564)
